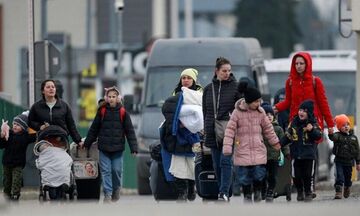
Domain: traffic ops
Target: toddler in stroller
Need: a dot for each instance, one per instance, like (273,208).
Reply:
(54,164)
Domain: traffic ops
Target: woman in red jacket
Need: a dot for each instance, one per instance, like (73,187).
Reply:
(302,85)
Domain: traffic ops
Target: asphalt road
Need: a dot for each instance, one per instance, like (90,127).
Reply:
(128,205)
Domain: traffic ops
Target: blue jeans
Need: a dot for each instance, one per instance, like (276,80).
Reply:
(111,167)
(248,175)
(343,174)
(223,168)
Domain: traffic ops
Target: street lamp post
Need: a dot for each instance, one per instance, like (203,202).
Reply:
(31,51)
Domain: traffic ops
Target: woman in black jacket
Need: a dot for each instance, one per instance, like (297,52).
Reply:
(51,110)
(226,94)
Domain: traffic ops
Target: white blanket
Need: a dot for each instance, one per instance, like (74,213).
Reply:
(191,96)
(182,167)
(55,166)
(191,116)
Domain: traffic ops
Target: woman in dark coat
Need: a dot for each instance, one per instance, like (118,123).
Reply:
(226,94)
(51,110)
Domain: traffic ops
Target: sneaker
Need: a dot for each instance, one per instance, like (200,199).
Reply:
(107,198)
(270,196)
(115,195)
(15,197)
(224,197)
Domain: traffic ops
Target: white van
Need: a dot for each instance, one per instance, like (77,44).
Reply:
(337,72)
(165,63)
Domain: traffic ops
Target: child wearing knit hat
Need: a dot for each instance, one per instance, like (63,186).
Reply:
(272,156)
(346,151)
(244,135)
(303,133)
(15,142)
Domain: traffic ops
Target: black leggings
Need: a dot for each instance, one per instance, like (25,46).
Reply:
(303,171)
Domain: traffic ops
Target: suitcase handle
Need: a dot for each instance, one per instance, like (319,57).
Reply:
(77,152)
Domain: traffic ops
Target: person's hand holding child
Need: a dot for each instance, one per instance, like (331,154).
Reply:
(5,130)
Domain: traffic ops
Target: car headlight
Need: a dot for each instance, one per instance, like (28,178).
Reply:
(144,143)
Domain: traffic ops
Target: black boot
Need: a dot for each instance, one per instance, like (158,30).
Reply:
(264,190)
(191,190)
(247,193)
(300,195)
(182,188)
(257,191)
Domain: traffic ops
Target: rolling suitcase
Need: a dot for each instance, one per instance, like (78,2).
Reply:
(86,171)
(205,178)
(161,189)
(284,181)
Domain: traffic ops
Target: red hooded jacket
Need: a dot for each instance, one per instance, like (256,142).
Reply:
(299,88)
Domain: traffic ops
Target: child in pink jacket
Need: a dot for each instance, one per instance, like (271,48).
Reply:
(244,132)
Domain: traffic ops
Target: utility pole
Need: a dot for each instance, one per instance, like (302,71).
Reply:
(174,20)
(31,51)
(355,13)
(189,20)
(119,7)
(43,19)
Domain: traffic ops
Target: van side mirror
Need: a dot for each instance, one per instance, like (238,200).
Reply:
(129,104)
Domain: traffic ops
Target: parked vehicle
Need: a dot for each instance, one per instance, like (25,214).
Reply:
(167,59)
(337,72)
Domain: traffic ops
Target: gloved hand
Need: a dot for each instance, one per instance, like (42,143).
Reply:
(5,130)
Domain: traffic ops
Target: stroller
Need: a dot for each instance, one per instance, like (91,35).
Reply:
(55,165)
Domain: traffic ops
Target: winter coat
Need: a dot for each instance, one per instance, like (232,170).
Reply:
(299,89)
(15,147)
(228,97)
(59,115)
(346,148)
(111,131)
(176,140)
(247,127)
(302,144)
(273,154)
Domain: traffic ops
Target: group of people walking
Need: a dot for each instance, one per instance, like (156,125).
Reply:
(252,141)
(227,116)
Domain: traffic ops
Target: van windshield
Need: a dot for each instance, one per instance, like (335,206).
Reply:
(339,86)
(164,80)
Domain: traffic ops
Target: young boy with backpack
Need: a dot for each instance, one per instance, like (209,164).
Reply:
(346,151)
(111,126)
(15,142)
